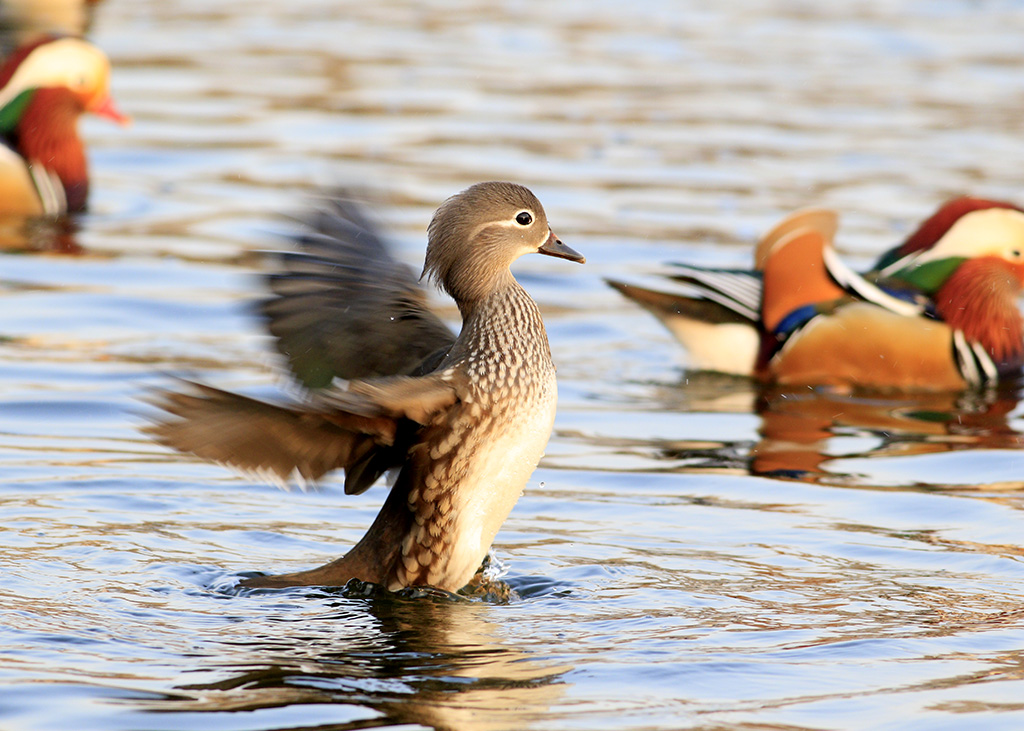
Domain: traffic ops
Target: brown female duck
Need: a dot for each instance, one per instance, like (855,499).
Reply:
(464,420)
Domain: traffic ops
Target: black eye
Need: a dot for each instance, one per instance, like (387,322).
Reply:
(524,218)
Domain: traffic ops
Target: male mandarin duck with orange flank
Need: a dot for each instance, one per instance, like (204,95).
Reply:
(938,312)
(44,87)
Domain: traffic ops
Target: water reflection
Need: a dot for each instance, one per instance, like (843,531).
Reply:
(431,660)
(19,234)
(804,431)
(799,429)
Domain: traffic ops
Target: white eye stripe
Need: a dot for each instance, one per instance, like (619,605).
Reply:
(505,223)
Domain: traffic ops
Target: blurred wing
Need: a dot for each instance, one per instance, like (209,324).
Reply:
(271,441)
(342,307)
(399,397)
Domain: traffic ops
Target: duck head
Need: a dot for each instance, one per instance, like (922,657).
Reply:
(975,274)
(934,229)
(476,235)
(995,235)
(70,64)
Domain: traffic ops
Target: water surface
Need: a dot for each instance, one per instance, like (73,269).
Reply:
(693,552)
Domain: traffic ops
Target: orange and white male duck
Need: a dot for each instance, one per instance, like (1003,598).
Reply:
(938,312)
(44,87)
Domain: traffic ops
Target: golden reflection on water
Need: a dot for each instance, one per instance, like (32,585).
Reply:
(436,662)
(803,431)
(797,426)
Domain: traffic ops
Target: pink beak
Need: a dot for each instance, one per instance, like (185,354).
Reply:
(106,108)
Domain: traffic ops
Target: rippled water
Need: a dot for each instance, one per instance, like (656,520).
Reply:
(692,552)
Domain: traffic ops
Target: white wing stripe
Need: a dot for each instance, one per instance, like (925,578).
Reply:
(985,361)
(50,189)
(739,292)
(849,279)
(965,358)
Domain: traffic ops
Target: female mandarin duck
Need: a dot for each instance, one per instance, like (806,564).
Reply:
(938,312)
(464,420)
(44,87)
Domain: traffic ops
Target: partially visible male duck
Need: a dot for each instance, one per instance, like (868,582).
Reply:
(22,21)
(44,87)
(938,312)
(462,420)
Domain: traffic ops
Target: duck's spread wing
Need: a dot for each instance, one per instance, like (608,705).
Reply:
(272,441)
(343,307)
(366,430)
(419,399)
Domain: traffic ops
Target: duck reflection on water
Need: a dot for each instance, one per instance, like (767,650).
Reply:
(426,658)
(799,430)
(804,432)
